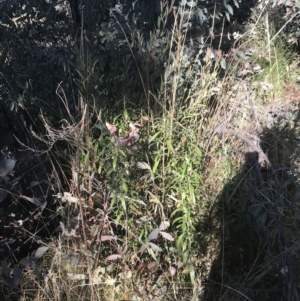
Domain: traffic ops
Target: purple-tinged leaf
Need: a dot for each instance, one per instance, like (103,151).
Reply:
(106,238)
(135,127)
(172,271)
(153,266)
(155,247)
(111,128)
(134,137)
(124,251)
(92,176)
(105,206)
(164,225)
(122,142)
(114,257)
(179,264)
(153,234)
(142,248)
(167,236)
(293,40)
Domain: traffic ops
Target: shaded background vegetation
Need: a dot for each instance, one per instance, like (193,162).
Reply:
(67,67)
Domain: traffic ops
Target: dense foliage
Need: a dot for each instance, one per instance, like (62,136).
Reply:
(115,151)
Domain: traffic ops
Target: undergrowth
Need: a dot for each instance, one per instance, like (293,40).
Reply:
(174,184)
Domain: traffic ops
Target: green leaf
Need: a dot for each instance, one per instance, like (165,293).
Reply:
(229,8)
(124,186)
(198,152)
(157,160)
(228,167)
(152,138)
(170,147)
(236,3)
(192,194)
(115,162)
(192,274)
(227,16)
(150,252)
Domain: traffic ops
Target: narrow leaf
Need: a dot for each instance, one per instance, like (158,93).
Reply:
(34,200)
(142,248)
(153,234)
(164,225)
(229,8)
(106,238)
(156,164)
(17,275)
(39,253)
(6,166)
(143,219)
(236,3)
(114,257)
(155,247)
(223,63)
(167,236)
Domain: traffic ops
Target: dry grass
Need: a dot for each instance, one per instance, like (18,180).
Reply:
(188,177)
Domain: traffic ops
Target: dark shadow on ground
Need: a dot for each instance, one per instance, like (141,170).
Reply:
(257,220)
